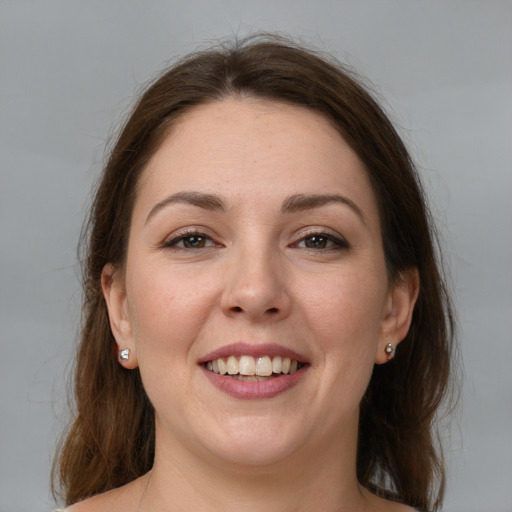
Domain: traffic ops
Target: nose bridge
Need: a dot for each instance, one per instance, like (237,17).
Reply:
(255,280)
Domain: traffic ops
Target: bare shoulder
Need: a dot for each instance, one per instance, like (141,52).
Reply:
(106,501)
(122,499)
(393,506)
(398,507)
(383,505)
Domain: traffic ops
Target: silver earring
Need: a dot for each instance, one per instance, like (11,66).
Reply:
(124,354)
(390,350)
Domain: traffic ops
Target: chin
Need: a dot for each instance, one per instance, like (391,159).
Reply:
(255,442)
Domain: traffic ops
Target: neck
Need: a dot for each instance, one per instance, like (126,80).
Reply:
(320,478)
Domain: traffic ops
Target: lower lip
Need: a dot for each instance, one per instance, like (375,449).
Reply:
(255,390)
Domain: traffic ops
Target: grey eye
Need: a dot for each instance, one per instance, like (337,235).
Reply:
(190,241)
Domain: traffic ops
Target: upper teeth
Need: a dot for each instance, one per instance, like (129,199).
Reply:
(247,365)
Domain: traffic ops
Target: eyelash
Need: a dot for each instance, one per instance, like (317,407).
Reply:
(337,243)
(181,237)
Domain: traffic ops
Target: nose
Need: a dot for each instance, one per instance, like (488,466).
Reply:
(256,287)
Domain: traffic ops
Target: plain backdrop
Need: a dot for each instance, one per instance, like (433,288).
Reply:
(69,70)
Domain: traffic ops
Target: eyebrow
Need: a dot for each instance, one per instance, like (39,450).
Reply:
(295,203)
(205,201)
(300,202)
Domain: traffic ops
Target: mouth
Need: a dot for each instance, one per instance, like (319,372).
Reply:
(254,369)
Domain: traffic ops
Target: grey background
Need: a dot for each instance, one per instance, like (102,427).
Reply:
(69,71)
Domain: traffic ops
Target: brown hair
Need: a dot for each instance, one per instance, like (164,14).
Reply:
(111,440)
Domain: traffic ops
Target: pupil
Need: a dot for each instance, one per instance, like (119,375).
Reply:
(316,242)
(194,241)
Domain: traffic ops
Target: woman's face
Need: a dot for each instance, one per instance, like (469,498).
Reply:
(255,249)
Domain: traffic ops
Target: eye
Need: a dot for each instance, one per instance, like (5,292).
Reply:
(319,241)
(190,240)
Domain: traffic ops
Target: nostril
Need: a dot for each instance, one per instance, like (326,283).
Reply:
(238,309)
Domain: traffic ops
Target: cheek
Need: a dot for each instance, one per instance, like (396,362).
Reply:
(344,313)
(342,319)
(167,308)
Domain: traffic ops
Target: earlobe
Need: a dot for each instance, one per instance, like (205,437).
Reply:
(398,315)
(112,284)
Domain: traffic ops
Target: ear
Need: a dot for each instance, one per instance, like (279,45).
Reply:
(398,313)
(113,287)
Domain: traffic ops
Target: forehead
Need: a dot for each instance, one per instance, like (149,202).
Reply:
(250,149)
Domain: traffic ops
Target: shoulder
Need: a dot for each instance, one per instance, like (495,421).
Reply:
(398,507)
(100,503)
(122,499)
(95,504)
(393,506)
(377,503)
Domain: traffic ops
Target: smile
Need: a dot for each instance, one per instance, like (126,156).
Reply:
(253,369)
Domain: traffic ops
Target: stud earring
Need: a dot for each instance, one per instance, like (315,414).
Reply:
(390,351)
(124,354)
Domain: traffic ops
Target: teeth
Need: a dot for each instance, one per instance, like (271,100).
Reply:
(277,365)
(223,368)
(264,366)
(246,366)
(248,369)
(232,365)
(250,378)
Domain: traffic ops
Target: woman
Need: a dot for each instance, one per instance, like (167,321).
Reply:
(265,324)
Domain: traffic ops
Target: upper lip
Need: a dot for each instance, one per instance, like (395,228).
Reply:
(254,350)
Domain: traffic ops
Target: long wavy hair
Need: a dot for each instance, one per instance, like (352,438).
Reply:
(111,439)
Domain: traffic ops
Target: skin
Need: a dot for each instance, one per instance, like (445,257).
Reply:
(256,275)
